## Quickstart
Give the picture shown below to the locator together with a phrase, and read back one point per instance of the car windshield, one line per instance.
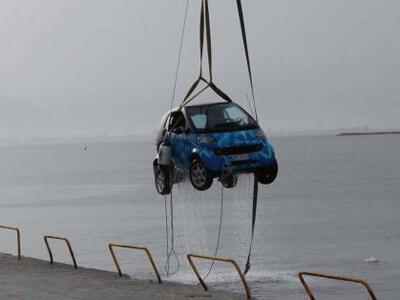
(220, 117)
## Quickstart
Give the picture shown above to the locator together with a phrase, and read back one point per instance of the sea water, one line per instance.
(336, 202)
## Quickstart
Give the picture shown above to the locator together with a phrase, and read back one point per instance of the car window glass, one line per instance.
(236, 114)
(220, 117)
(199, 121)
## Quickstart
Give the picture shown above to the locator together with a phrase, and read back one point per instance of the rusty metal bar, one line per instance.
(18, 238)
(340, 278)
(47, 237)
(145, 249)
(222, 259)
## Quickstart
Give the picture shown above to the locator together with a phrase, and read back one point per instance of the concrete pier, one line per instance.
(31, 278)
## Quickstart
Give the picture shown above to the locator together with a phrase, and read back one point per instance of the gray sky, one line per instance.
(101, 66)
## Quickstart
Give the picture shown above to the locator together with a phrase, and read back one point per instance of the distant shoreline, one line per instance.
(368, 133)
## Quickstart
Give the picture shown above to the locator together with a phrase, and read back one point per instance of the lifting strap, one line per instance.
(253, 224)
(246, 51)
(205, 38)
(255, 187)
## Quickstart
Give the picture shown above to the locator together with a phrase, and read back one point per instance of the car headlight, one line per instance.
(205, 139)
(260, 135)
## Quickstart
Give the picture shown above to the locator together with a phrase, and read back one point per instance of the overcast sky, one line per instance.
(101, 66)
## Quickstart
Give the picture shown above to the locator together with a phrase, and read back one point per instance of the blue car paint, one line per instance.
(187, 145)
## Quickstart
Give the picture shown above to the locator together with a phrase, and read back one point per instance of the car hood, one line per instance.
(235, 138)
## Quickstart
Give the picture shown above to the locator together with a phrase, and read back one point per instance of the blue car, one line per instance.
(207, 141)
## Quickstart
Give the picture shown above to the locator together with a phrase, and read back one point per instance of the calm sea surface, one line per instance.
(335, 202)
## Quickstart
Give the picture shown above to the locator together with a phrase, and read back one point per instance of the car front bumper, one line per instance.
(238, 163)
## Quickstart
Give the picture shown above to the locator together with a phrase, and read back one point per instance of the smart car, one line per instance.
(213, 140)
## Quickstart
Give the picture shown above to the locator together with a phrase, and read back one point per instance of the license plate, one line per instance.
(240, 157)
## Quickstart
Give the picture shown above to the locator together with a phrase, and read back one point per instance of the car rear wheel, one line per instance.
(199, 176)
(268, 174)
(229, 181)
(162, 179)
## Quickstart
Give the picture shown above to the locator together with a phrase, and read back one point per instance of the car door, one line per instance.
(179, 140)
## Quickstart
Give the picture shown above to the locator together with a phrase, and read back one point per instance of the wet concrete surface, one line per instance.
(31, 278)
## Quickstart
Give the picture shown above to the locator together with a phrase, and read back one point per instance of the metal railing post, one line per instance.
(222, 259)
(334, 277)
(18, 238)
(47, 237)
(145, 249)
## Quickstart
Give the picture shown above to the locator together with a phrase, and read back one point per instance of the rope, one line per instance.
(180, 54)
(172, 252)
(250, 107)
(221, 210)
(166, 267)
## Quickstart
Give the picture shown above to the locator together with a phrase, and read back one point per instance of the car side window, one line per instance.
(177, 120)
(166, 122)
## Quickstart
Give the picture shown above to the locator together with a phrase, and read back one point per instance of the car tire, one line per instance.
(229, 181)
(199, 176)
(162, 179)
(178, 175)
(268, 174)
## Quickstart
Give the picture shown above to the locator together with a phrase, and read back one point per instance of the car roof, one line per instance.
(175, 109)
(209, 104)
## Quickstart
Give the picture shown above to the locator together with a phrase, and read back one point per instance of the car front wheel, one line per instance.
(268, 174)
(199, 176)
(162, 179)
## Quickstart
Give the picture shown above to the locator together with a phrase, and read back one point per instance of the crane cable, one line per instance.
(255, 185)
(178, 64)
(171, 252)
(221, 211)
(205, 28)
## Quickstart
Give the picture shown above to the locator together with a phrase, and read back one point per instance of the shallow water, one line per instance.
(335, 202)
